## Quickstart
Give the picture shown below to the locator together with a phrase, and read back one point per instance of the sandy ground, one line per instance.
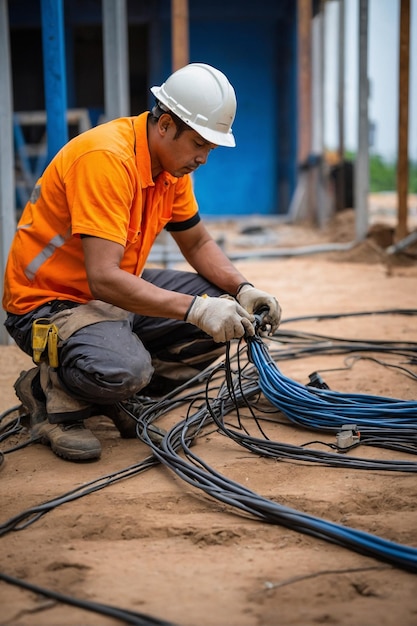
(155, 544)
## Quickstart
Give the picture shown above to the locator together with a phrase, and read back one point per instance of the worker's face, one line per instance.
(184, 154)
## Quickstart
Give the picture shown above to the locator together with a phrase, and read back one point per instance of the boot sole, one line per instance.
(71, 455)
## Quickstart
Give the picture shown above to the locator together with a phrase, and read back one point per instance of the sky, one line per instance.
(383, 72)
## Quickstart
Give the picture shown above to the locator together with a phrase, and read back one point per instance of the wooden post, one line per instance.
(301, 205)
(402, 163)
(180, 34)
(304, 79)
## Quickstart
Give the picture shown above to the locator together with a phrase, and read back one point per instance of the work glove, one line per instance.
(253, 300)
(222, 318)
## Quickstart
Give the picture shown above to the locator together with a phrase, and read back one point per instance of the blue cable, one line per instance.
(325, 409)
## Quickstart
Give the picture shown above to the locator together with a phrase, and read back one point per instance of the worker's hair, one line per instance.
(159, 109)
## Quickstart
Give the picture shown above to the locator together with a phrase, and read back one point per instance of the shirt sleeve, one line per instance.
(100, 193)
(175, 227)
(185, 207)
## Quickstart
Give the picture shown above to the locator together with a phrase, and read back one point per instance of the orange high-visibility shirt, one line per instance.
(100, 184)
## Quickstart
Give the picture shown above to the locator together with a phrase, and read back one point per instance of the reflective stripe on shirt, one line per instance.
(43, 256)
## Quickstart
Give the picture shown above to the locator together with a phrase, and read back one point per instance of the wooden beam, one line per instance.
(180, 34)
(301, 205)
(403, 91)
(304, 79)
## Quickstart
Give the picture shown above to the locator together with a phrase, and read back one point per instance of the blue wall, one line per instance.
(256, 50)
(244, 178)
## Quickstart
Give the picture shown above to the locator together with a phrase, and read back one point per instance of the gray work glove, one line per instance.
(222, 318)
(253, 300)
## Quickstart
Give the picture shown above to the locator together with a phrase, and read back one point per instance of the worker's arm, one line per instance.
(108, 282)
(221, 318)
(206, 257)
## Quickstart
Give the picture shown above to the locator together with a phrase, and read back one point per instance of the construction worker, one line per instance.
(99, 325)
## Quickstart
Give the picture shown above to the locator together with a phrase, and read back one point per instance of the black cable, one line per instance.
(26, 518)
(197, 473)
(331, 316)
(124, 615)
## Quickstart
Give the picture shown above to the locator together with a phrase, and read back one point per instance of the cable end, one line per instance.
(348, 437)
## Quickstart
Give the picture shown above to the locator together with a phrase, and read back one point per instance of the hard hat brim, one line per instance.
(226, 140)
(218, 137)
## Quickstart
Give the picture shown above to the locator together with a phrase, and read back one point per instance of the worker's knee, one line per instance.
(105, 363)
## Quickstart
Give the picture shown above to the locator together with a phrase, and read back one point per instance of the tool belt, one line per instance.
(45, 342)
(46, 332)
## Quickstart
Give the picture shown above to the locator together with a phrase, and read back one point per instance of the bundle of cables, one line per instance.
(379, 420)
(323, 409)
(196, 472)
(311, 407)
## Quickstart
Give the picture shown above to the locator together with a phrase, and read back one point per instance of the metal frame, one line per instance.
(7, 187)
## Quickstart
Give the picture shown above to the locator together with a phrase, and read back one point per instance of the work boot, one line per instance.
(28, 390)
(127, 425)
(69, 440)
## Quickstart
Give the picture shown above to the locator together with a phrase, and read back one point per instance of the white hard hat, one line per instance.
(204, 99)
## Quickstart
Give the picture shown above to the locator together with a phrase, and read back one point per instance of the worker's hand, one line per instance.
(253, 300)
(222, 318)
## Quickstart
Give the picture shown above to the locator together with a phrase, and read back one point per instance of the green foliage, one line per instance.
(383, 174)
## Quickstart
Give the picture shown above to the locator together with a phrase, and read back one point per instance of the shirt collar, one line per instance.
(143, 157)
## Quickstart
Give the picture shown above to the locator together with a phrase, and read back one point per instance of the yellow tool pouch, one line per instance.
(45, 337)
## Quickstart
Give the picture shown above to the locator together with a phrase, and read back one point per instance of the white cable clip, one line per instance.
(347, 437)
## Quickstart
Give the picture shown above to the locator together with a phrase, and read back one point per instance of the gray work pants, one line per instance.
(109, 361)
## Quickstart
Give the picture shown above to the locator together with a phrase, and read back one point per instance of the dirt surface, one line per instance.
(154, 544)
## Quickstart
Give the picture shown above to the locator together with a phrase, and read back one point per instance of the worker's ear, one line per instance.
(164, 123)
